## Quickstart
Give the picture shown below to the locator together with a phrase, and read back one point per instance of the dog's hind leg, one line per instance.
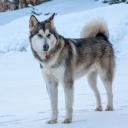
(108, 86)
(106, 77)
(92, 80)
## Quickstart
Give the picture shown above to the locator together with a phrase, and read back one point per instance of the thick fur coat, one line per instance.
(63, 60)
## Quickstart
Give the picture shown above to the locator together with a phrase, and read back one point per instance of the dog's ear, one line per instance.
(51, 17)
(33, 22)
(50, 21)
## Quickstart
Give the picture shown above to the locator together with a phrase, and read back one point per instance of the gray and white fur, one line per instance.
(63, 60)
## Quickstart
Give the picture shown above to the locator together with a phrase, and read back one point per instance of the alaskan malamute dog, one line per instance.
(64, 60)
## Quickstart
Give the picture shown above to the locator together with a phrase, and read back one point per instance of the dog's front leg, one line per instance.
(68, 89)
(52, 88)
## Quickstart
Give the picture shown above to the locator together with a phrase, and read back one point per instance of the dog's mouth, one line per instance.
(46, 56)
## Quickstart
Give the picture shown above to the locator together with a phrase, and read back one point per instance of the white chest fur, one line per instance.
(56, 72)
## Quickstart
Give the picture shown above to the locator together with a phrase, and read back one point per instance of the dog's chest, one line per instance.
(55, 72)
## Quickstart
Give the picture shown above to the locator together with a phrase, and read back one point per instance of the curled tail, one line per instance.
(95, 28)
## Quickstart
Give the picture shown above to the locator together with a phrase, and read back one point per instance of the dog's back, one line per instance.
(93, 50)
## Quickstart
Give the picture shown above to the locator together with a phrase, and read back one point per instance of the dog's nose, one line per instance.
(45, 47)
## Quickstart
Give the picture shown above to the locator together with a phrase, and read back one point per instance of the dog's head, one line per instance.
(42, 35)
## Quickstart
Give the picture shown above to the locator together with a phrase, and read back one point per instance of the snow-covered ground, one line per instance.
(24, 102)
(57, 6)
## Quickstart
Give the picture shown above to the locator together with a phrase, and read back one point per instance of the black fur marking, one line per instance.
(102, 36)
(43, 26)
(70, 51)
(41, 66)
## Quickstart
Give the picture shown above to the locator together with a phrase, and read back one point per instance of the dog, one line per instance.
(63, 60)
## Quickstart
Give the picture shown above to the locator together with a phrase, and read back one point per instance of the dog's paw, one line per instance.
(51, 121)
(109, 108)
(67, 121)
(98, 109)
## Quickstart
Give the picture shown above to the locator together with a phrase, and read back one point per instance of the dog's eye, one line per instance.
(40, 36)
(48, 35)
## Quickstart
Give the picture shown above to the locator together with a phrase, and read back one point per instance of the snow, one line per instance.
(17, 31)
(58, 6)
(24, 102)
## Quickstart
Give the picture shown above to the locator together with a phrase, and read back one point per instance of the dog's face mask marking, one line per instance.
(43, 38)
(43, 41)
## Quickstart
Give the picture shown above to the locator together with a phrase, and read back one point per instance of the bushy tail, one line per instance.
(95, 28)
